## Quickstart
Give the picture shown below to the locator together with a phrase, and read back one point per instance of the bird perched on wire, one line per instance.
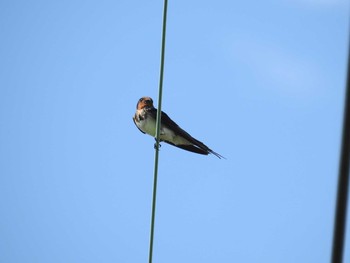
(145, 120)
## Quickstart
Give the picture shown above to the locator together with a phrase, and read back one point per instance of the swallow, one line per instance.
(171, 133)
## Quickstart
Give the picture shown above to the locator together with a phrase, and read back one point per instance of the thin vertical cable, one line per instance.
(160, 91)
(343, 180)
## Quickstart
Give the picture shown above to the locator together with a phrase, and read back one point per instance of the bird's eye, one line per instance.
(149, 101)
(140, 100)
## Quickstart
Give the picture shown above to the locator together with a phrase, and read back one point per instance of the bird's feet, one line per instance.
(155, 145)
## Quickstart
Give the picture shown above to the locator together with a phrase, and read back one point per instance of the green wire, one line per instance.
(158, 132)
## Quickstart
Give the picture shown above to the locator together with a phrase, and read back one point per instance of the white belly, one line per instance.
(149, 126)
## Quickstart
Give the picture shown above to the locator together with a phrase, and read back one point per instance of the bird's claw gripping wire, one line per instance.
(155, 144)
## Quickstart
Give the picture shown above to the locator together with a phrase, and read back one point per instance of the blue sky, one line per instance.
(260, 82)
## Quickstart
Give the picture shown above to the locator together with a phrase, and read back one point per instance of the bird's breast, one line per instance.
(147, 125)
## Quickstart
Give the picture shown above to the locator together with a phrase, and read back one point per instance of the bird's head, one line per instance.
(144, 102)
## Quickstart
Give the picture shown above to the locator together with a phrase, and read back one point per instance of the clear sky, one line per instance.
(260, 82)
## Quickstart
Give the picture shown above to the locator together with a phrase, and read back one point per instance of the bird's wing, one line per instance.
(190, 148)
(168, 122)
(195, 146)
